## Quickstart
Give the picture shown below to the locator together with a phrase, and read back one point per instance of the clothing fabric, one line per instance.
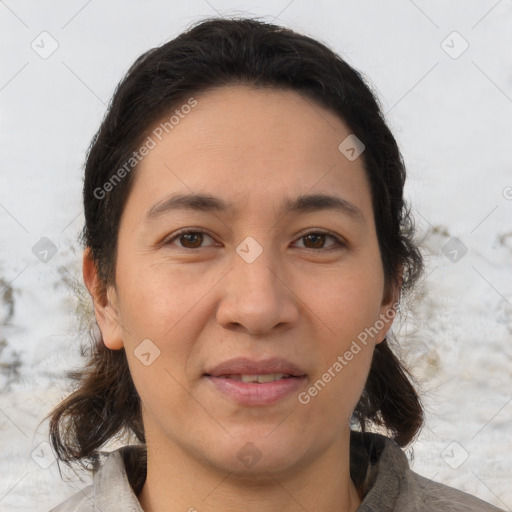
(391, 485)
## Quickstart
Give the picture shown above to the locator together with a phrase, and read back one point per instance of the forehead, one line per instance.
(251, 143)
(242, 118)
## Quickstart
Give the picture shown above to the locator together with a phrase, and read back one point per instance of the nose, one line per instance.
(258, 296)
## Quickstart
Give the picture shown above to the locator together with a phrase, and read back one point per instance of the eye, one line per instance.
(193, 239)
(316, 239)
(189, 239)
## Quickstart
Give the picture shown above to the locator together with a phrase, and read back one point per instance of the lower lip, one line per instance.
(250, 393)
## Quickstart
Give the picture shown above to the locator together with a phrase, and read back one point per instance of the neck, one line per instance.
(176, 481)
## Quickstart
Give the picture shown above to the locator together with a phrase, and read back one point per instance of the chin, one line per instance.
(249, 454)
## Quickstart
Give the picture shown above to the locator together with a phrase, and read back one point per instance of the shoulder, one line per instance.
(110, 490)
(391, 486)
(82, 501)
(427, 495)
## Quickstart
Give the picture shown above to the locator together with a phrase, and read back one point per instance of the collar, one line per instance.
(377, 464)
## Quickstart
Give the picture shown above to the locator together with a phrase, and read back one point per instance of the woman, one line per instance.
(246, 247)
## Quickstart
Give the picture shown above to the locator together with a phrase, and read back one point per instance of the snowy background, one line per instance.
(443, 73)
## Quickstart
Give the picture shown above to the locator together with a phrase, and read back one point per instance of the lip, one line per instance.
(248, 393)
(246, 366)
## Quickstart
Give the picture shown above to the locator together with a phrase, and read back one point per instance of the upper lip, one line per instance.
(245, 366)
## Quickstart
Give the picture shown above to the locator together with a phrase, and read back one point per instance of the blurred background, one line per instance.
(443, 75)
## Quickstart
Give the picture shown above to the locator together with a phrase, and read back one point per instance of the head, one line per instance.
(260, 121)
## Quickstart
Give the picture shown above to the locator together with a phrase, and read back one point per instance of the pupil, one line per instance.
(193, 236)
(317, 239)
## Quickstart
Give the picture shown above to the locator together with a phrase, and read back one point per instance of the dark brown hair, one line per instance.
(213, 53)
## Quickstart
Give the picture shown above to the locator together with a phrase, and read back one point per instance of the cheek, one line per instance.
(158, 332)
(327, 404)
(350, 310)
(348, 303)
(156, 301)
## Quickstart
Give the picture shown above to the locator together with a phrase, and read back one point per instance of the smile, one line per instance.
(256, 390)
(263, 378)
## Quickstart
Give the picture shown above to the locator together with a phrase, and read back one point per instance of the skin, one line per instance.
(301, 299)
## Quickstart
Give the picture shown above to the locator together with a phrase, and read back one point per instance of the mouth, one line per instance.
(256, 383)
(249, 368)
(257, 379)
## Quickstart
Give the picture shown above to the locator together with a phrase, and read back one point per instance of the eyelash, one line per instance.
(339, 243)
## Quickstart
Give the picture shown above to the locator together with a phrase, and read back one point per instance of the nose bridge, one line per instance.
(254, 296)
(252, 266)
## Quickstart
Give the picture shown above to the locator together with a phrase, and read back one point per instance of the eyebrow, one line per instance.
(301, 204)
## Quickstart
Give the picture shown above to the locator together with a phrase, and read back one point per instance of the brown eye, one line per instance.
(317, 239)
(189, 239)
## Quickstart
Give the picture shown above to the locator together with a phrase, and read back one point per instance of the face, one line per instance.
(250, 281)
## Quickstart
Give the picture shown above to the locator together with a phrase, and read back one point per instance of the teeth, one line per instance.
(268, 377)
